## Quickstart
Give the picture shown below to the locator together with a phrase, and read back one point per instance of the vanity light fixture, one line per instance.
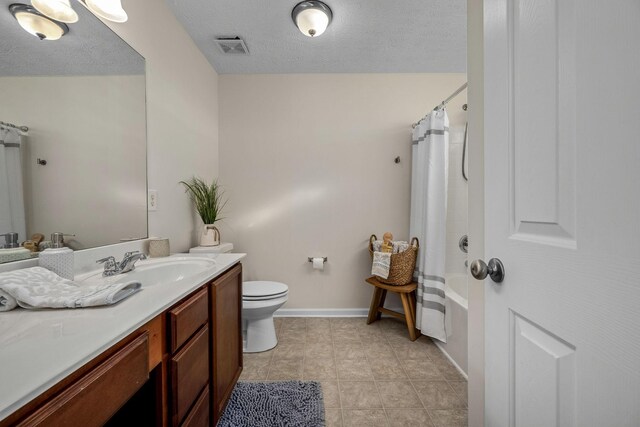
(312, 17)
(111, 10)
(58, 10)
(36, 23)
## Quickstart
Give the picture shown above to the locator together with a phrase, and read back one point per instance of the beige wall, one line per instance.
(91, 131)
(308, 168)
(182, 114)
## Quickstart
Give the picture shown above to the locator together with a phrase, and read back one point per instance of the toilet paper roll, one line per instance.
(318, 263)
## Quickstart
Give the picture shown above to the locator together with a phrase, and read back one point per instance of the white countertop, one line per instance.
(40, 348)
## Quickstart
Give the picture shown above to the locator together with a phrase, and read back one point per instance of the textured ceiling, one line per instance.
(90, 48)
(366, 36)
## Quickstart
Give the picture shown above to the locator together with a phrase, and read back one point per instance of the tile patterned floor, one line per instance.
(371, 375)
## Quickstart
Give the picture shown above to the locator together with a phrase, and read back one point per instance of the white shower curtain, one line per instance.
(12, 215)
(429, 177)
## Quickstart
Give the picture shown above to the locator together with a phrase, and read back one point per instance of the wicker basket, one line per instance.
(402, 264)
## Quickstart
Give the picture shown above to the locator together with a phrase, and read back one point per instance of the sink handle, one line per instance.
(106, 260)
(110, 266)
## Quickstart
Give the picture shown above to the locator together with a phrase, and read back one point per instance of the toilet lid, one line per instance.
(263, 290)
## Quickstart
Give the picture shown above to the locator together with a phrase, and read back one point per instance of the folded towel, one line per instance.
(398, 246)
(37, 287)
(7, 302)
(381, 264)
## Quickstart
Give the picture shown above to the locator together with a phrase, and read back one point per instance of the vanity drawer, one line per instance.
(199, 415)
(189, 374)
(95, 397)
(187, 318)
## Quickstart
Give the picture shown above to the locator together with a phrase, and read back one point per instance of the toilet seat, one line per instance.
(265, 298)
(260, 290)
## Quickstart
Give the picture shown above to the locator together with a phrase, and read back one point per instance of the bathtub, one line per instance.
(456, 321)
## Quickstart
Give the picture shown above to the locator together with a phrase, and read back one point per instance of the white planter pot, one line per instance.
(210, 236)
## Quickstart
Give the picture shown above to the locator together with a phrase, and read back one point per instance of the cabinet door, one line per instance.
(189, 374)
(93, 399)
(199, 415)
(226, 333)
(186, 319)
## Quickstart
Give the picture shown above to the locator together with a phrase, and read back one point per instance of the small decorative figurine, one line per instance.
(387, 243)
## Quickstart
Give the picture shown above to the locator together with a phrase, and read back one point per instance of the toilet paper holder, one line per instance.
(324, 259)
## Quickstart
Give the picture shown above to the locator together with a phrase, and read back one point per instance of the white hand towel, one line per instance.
(38, 287)
(7, 302)
(381, 264)
(400, 246)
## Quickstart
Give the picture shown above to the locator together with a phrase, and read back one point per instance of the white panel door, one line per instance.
(562, 209)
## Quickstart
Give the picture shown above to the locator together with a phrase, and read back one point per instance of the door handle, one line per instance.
(495, 270)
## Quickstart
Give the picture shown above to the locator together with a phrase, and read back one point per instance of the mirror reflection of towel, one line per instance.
(381, 264)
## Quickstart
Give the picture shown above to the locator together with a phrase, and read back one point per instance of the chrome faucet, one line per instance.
(128, 263)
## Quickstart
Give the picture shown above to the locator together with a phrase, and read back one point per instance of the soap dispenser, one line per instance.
(58, 258)
(11, 240)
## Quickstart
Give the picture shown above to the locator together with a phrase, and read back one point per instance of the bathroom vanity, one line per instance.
(167, 356)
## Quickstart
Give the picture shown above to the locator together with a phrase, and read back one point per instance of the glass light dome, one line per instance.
(59, 10)
(37, 24)
(110, 10)
(312, 17)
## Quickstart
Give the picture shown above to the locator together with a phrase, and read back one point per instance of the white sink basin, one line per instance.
(155, 272)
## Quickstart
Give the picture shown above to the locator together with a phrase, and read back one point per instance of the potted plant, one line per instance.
(209, 201)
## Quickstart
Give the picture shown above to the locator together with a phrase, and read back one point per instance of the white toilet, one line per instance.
(260, 300)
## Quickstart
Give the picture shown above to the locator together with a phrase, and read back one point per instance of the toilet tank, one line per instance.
(220, 249)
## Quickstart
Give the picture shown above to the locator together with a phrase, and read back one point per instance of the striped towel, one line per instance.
(381, 264)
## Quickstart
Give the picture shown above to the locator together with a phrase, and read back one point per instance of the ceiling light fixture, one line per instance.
(58, 10)
(111, 10)
(312, 17)
(36, 23)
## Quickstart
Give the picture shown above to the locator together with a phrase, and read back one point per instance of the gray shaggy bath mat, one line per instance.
(286, 403)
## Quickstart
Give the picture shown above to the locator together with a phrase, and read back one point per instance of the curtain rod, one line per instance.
(11, 125)
(446, 101)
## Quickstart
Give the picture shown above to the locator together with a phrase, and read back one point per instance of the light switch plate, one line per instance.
(152, 200)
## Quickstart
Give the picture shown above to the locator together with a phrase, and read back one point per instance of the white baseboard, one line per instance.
(328, 312)
(322, 312)
(453, 362)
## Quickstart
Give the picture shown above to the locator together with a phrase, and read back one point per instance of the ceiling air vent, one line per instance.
(232, 45)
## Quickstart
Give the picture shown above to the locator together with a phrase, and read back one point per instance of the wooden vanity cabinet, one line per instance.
(177, 370)
(226, 337)
(205, 337)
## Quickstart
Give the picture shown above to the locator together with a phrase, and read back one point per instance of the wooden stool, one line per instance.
(407, 295)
